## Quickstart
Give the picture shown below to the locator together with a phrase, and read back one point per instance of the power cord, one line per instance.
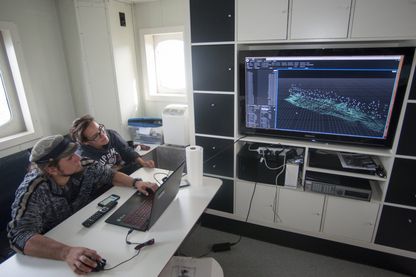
(224, 246)
(276, 195)
(219, 247)
(225, 148)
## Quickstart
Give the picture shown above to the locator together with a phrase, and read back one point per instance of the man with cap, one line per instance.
(58, 185)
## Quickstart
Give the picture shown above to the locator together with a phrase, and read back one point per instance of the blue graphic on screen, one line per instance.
(339, 96)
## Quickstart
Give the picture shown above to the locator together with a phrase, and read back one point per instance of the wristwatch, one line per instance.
(136, 180)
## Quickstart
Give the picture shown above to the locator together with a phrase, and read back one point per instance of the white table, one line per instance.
(109, 240)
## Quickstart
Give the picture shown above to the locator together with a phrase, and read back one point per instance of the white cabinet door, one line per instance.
(384, 18)
(350, 218)
(320, 19)
(261, 211)
(300, 210)
(261, 19)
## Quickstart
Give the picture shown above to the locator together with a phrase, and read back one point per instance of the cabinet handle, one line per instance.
(318, 214)
(229, 69)
(229, 15)
(213, 148)
(212, 105)
(410, 221)
(214, 166)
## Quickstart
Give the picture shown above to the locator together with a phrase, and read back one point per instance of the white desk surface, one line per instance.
(109, 240)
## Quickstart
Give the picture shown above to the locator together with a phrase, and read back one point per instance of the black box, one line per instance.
(261, 163)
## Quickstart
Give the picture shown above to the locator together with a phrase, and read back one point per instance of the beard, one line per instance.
(65, 174)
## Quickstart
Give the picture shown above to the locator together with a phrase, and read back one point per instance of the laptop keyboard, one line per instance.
(141, 214)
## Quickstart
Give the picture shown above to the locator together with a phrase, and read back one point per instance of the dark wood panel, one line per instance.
(212, 20)
(214, 114)
(413, 88)
(397, 228)
(213, 67)
(402, 189)
(407, 142)
(224, 199)
(218, 155)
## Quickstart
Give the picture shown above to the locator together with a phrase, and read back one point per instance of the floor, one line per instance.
(257, 258)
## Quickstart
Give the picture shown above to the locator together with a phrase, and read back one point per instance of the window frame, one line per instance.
(150, 87)
(25, 100)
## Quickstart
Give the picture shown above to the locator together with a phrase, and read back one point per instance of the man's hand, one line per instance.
(141, 186)
(81, 260)
(144, 163)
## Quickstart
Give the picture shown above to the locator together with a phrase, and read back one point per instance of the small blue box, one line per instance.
(147, 130)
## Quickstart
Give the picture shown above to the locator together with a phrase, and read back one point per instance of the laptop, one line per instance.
(140, 212)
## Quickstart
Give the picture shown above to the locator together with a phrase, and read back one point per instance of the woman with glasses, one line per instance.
(105, 146)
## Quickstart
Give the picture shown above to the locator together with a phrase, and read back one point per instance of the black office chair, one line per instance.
(13, 168)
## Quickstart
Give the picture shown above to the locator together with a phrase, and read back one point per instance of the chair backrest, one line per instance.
(12, 170)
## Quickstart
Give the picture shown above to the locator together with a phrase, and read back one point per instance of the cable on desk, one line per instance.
(139, 246)
(159, 173)
(128, 233)
(125, 261)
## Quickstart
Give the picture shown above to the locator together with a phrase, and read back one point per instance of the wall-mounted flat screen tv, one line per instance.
(349, 95)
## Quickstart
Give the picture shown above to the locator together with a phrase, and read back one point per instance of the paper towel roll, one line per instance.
(194, 164)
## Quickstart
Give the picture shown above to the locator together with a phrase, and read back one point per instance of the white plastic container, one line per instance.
(175, 124)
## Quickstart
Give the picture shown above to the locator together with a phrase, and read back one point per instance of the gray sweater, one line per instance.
(41, 204)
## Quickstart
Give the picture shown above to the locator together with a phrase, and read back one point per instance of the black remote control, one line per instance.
(97, 215)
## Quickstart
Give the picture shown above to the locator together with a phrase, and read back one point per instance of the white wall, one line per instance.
(38, 28)
(102, 60)
(125, 63)
(155, 14)
(72, 47)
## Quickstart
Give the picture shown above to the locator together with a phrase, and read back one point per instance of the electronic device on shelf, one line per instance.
(343, 186)
(345, 95)
(326, 159)
(264, 163)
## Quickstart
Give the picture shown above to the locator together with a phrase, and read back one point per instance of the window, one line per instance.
(164, 62)
(5, 113)
(16, 122)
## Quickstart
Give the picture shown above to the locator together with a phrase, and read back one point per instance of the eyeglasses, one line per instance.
(101, 129)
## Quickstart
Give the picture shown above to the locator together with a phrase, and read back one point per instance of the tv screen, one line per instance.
(343, 95)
